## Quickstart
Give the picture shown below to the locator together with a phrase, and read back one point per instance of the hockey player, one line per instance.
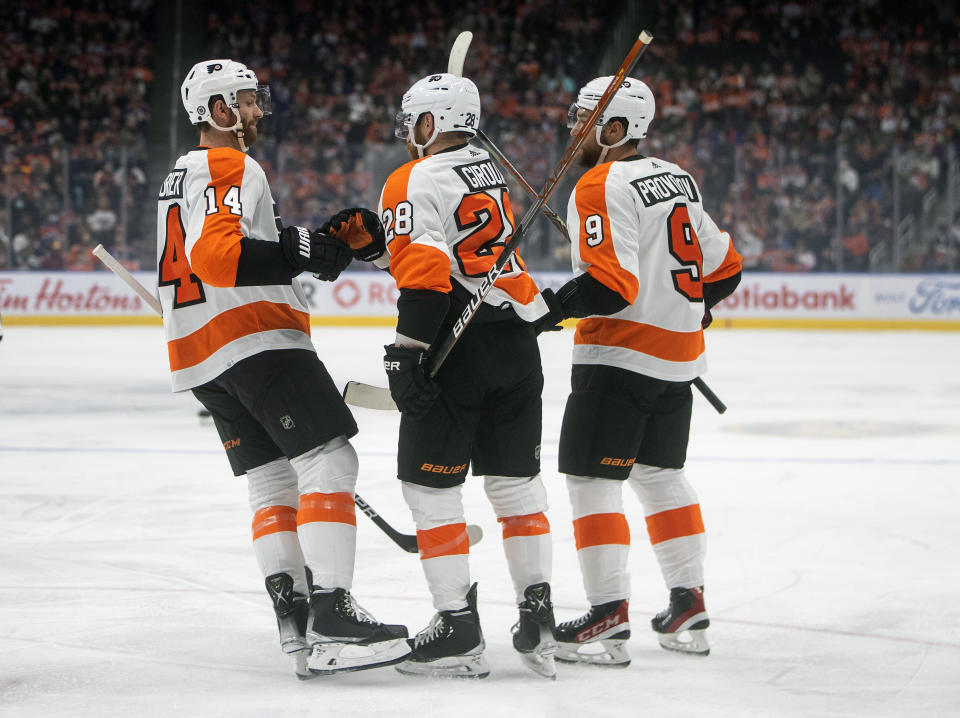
(649, 263)
(238, 336)
(447, 216)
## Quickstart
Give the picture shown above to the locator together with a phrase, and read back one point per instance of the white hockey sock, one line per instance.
(443, 542)
(674, 523)
(326, 516)
(602, 536)
(277, 546)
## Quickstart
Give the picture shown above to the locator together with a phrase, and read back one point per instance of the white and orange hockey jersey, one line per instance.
(638, 226)
(447, 217)
(208, 203)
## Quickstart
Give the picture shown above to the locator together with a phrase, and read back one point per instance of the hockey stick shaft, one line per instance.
(709, 395)
(508, 166)
(100, 252)
(114, 266)
(443, 350)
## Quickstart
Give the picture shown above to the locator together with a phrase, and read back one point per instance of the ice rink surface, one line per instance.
(829, 490)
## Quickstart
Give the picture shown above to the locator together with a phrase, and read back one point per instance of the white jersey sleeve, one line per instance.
(638, 226)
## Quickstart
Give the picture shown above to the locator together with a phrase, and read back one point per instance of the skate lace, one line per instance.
(435, 630)
(350, 607)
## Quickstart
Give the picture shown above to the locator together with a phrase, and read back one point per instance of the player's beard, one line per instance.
(250, 133)
(589, 154)
(412, 151)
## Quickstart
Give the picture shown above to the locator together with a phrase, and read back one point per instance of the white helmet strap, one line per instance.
(237, 128)
(423, 147)
(606, 148)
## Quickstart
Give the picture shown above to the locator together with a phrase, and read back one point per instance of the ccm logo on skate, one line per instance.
(610, 461)
(231, 444)
(438, 469)
(598, 628)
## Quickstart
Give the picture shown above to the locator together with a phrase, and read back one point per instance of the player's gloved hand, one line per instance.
(413, 391)
(361, 230)
(323, 254)
(707, 318)
(550, 322)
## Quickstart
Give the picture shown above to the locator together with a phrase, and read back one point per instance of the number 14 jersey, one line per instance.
(638, 226)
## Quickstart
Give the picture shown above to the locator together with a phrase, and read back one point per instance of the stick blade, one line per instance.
(458, 53)
(367, 396)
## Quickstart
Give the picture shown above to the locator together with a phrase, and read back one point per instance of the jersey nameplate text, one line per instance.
(481, 175)
(665, 187)
(173, 185)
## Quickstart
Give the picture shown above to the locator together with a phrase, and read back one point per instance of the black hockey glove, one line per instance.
(323, 254)
(361, 229)
(550, 322)
(413, 391)
(707, 318)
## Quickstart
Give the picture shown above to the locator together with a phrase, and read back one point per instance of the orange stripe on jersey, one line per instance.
(448, 540)
(601, 530)
(215, 254)
(271, 519)
(233, 324)
(601, 258)
(335, 508)
(529, 525)
(732, 263)
(419, 266)
(413, 266)
(675, 523)
(646, 338)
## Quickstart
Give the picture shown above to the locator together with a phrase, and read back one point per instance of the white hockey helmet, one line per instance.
(453, 101)
(220, 77)
(632, 101)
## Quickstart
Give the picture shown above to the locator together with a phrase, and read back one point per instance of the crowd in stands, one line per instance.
(74, 114)
(791, 115)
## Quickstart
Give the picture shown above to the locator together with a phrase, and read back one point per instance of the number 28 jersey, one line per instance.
(211, 200)
(447, 217)
(638, 226)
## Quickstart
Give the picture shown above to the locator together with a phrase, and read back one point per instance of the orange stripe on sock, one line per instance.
(448, 540)
(336, 508)
(601, 529)
(675, 523)
(529, 525)
(271, 519)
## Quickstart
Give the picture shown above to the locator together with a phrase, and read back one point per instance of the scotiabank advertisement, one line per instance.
(48, 297)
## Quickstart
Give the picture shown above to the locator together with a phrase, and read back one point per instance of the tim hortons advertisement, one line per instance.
(48, 297)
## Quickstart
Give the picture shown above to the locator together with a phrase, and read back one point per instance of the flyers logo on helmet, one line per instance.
(214, 67)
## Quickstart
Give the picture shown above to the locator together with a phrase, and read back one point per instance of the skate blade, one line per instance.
(300, 665)
(609, 652)
(541, 661)
(450, 667)
(329, 658)
(691, 642)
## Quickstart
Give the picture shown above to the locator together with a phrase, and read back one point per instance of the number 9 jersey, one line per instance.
(447, 217)
(638, 226)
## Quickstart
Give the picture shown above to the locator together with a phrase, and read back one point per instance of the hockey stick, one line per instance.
(441, 353)
(404, 541)
(458, 55)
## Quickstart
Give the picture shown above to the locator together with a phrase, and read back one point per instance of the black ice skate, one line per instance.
(598, 637)
(344, 637)
(451, 646)
(535, 632)
(291, 610)
(682, 625)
